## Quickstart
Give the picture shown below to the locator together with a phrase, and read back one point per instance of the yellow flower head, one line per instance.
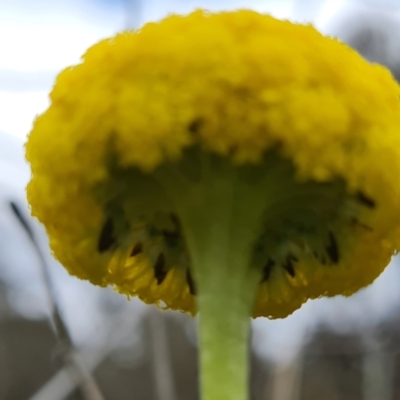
(232, 137)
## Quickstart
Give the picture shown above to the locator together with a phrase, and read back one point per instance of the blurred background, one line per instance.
(61, 338)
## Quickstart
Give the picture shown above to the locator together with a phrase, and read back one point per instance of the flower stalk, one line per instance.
(220, 231)
(225, 305)
(223, 348)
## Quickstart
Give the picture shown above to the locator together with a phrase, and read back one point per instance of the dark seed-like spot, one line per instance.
(365, 200)
(171, 237)
(195, 125)
(190, 282)
(288, 265)
(332, 249)
(107, 236)
(137, 249)
(266, 271)
(160, 272)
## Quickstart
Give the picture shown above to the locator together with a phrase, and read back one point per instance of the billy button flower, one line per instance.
(229, 163)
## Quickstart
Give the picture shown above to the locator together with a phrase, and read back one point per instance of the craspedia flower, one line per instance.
(231, 163)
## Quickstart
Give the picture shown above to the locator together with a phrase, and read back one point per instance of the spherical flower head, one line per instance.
(259, 136)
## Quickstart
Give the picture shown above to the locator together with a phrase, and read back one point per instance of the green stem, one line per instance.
(220, 246)
(224, 336)
(224, 353)
(221, 214)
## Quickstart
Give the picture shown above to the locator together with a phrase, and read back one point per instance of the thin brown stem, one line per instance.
(161, 359)
(78, 372)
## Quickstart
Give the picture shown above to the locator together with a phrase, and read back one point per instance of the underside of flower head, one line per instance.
(288, 139)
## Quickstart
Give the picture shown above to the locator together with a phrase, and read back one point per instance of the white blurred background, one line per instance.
(331, 348)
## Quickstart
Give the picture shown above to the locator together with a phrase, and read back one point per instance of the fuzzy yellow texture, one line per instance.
(251, 82)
